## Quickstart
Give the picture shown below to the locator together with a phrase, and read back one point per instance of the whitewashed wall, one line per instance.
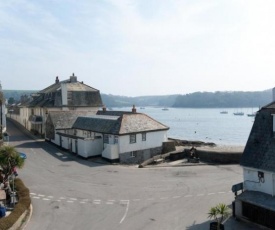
(251, 181)
(111, 152)
(153, 140)
(65, 142)
(90, 147)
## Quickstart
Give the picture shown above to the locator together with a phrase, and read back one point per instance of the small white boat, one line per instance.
(238, 114)
(251, 114)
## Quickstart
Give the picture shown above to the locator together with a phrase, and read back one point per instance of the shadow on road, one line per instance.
(19, 134)
(201, 226)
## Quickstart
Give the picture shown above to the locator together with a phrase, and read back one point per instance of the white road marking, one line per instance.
(72, 198)
(164, 198)
(188, 195)
(221, 192)
(36, 197)
(126, 211)
(209, 194)
(46, 199)
(50, 196)
(200, 195)
(70, 201)
(31, 193)
(62, 198)
(41, 195)
(176, 197)
(97, 201)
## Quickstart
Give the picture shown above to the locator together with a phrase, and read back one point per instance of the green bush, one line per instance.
(23, 204)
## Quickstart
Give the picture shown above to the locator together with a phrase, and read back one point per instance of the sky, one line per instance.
(139, 47)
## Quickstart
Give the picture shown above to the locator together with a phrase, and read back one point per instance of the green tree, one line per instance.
(9, 159)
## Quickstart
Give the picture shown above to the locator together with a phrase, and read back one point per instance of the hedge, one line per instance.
(23, 204)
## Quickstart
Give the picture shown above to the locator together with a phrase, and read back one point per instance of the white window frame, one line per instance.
(106, 138)
(133, 138)
(143, 136)
(115, 139)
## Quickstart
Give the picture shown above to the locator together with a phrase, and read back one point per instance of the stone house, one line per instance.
(64, 95)
(127, 137)
(257, 201)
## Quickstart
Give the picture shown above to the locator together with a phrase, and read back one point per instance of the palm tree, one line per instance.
(9, 159)
(219, 213)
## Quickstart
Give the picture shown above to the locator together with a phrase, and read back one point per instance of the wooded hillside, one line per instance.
(217, 99)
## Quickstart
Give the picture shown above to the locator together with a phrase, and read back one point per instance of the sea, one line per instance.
(203, 124)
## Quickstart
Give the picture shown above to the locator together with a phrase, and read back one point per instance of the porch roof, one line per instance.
(258, 198)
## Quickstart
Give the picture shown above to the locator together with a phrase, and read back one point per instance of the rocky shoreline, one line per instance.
(179, 142)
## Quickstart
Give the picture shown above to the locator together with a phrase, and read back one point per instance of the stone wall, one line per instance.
(168, 146)
(140, 156)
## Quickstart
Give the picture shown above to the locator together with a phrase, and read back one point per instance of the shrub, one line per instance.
(23, 204)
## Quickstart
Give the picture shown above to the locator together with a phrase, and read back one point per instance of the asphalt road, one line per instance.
(70, 193)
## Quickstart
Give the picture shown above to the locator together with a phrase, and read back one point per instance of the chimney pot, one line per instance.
(56, 80)
(104, 108)
(73, 78)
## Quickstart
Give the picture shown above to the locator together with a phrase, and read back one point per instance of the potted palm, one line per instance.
(219, 213)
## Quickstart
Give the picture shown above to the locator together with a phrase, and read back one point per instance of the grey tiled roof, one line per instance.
(259, 151)
(65, 119)
(124, 123)
(79, 95)
(258, 198)
(99, 125)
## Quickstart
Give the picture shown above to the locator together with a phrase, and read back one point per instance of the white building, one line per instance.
(127, 137)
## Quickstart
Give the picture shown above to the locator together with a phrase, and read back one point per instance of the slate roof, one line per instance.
(259, 151)
(116, 124)
(80, 95)
(65, 119)
(258, 198)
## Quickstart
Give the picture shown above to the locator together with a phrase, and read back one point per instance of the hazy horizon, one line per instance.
(135, 48)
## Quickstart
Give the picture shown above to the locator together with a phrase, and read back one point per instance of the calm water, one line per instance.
(206, 125)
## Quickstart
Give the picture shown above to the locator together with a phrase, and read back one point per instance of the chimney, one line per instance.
(73, 78)
(134, 110)
(104, 108)
(56, 80)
